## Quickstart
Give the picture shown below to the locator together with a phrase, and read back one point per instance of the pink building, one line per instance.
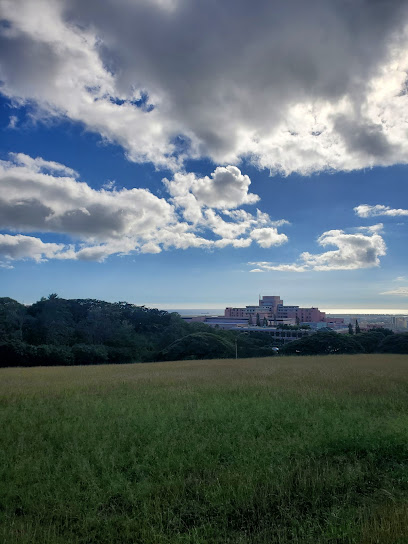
(303, 315)
(273, 309)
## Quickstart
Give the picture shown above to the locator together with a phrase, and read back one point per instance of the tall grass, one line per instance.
(299, 450)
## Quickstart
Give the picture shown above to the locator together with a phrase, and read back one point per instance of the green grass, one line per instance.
(285, 450)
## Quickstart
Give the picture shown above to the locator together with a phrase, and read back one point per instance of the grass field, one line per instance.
(285, 450)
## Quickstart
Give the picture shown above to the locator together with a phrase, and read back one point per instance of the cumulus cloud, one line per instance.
(295, 87)
(267, 237)
(365, 210)
(354, 251)
(33, 200)
(227, 188)
(44, 196)
(400, 291)
(28, 247)
(210, 202)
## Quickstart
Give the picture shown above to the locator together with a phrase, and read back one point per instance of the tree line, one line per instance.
(379, 340)
(57, 331)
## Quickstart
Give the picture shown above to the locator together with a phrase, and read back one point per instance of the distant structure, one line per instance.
(269, 316)
(398, 323)
(272, 309)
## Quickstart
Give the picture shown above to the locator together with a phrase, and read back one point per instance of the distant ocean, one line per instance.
(331, 312)
(198, 311)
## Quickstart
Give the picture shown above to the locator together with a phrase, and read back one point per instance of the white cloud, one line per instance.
(12, 122)
(150, 247)
(33, 200)
(197, 199)
(234, 242)
(29, 247)
(379, 227)
(227, 188)
(38, 165)
(354, 251)
(365, 210)
(44, 196)
(296, 88)
(270, 267)
(267, 237)
(109, 185)
(399, 291)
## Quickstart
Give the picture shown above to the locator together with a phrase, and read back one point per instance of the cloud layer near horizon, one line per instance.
(399, 291)
(295, 86)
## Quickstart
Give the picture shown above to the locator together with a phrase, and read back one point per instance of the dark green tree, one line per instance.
(383, 330)
(370, 340)
(323, 343)
(264, 322)
(350, 328)
(394, 343)
(201, 345)
(258, 320)
(12, 317)
(358, 330)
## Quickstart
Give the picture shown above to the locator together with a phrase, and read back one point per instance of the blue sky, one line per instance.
(167, 163)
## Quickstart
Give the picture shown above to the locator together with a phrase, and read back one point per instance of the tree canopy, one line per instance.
(323, 343)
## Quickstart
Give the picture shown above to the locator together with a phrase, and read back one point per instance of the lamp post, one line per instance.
(236, 343)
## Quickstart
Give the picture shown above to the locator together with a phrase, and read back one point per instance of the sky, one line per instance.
(199, 154)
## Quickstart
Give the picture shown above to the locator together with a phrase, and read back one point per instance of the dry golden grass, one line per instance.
(331, 372)
(376, 373)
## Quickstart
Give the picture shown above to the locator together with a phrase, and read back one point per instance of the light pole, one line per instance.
(236, 343)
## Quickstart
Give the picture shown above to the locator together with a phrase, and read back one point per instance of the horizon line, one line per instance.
(206, 306)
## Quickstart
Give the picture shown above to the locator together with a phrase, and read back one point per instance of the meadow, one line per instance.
(269, 450)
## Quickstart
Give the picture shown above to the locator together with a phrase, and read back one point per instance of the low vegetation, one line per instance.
(272, 450)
